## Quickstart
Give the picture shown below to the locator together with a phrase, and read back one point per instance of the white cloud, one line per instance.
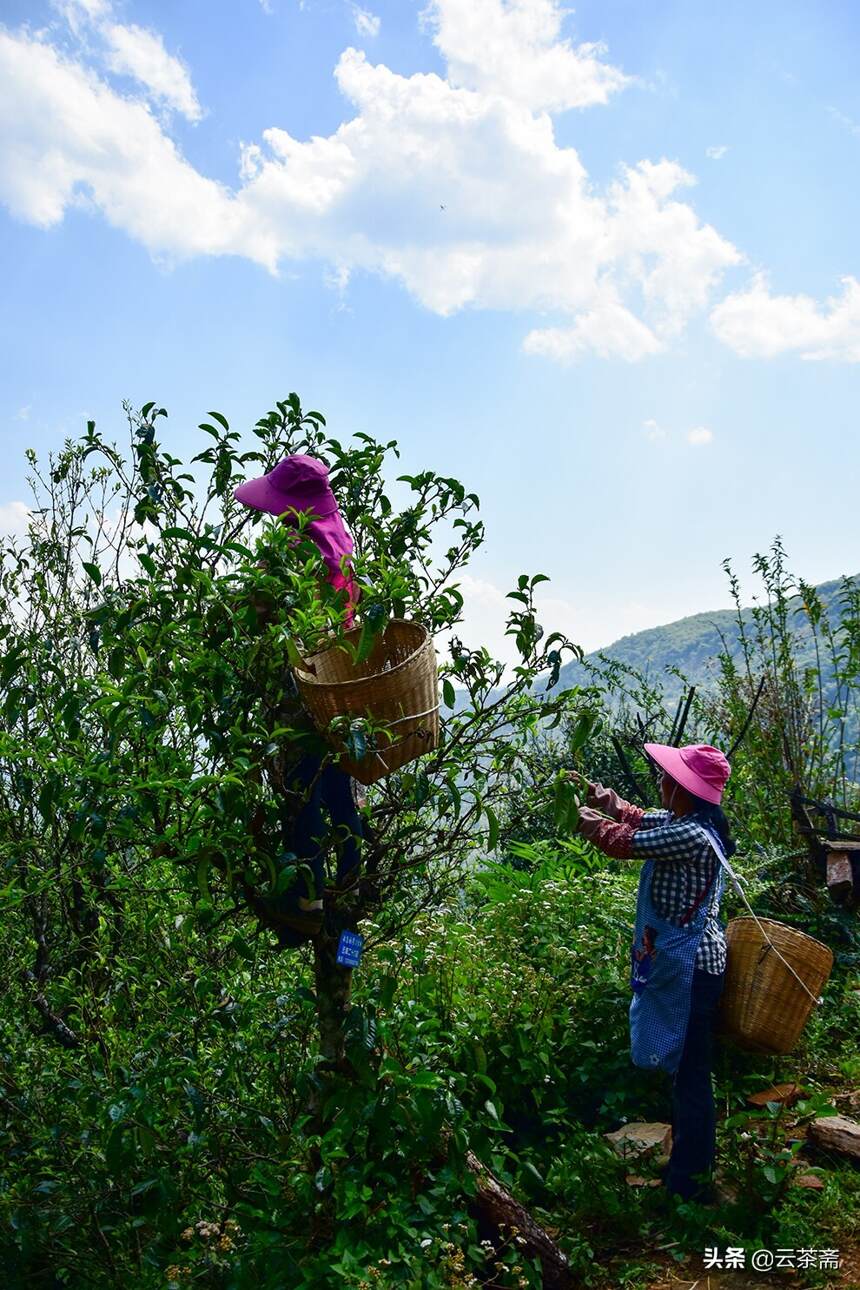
(616, 272)
(136, 52)
(366, 23)
(515, 48)
(132, 51)
(93, 9)
(756, 324)
(653, 430)
(609, 331)
(337, 279)
(848, 123)
(647, 238)
(698, 436)
(673, 259)
(67, 139)
(81, 13)
(717, 151)
(14, 517)
(23, 414)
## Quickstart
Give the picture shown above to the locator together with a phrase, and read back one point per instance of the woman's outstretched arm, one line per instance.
(665, 839)
(610, 803)
(626, 812)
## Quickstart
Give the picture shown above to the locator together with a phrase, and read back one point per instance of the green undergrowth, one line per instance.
(174, 1145)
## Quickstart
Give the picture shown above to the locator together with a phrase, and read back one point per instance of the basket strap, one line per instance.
(736, 883)
(414, 716)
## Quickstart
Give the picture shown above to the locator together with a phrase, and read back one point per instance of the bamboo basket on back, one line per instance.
(397, 685)
(764, 1007)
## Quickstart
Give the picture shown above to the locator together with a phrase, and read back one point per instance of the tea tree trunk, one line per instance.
(333, 992)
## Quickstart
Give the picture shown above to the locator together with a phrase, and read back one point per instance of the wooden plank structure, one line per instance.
(835, 849)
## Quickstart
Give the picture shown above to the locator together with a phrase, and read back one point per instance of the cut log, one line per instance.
(500, 1215)
(810, 1181)
(640, 1139)
(840, 879)
(836, 1133)
(496, 1208)
(788, 1094)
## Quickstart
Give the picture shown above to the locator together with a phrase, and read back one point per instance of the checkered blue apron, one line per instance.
(663, 957)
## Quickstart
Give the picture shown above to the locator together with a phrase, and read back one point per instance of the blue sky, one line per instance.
(634, 328)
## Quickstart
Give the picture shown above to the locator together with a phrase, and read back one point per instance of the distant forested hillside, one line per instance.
(692, 644)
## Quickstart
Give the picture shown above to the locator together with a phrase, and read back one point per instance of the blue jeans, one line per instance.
(693, 1112)
(306, 834)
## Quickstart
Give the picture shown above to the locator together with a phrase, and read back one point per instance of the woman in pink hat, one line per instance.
(678, 955)
(299, 484)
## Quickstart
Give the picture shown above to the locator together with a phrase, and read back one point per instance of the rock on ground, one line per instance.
(640, 1138)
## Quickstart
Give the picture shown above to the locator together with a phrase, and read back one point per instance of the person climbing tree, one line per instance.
(303, 773)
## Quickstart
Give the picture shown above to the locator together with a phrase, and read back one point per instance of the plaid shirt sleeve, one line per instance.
(678, 839)
(651, 819)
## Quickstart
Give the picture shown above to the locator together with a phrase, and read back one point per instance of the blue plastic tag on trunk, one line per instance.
(349, 949)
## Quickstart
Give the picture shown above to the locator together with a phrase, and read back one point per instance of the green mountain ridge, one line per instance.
(692, 645)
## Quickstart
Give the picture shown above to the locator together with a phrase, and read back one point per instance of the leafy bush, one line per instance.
(179, 1104)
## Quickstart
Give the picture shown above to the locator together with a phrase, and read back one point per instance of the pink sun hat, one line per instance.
(300, 484)
(700, 768)
(297, 483)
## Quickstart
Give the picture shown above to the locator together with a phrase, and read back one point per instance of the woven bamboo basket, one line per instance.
(397, 684)
(763, 1007)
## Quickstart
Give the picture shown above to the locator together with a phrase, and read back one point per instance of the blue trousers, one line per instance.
(306, 834)
(693, 1112)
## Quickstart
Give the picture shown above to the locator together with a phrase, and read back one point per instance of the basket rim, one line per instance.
(774, 922)
(308, 678)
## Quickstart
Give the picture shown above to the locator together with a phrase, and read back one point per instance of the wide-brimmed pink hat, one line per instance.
(300, 484)
(297, 483)
(700, 768)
